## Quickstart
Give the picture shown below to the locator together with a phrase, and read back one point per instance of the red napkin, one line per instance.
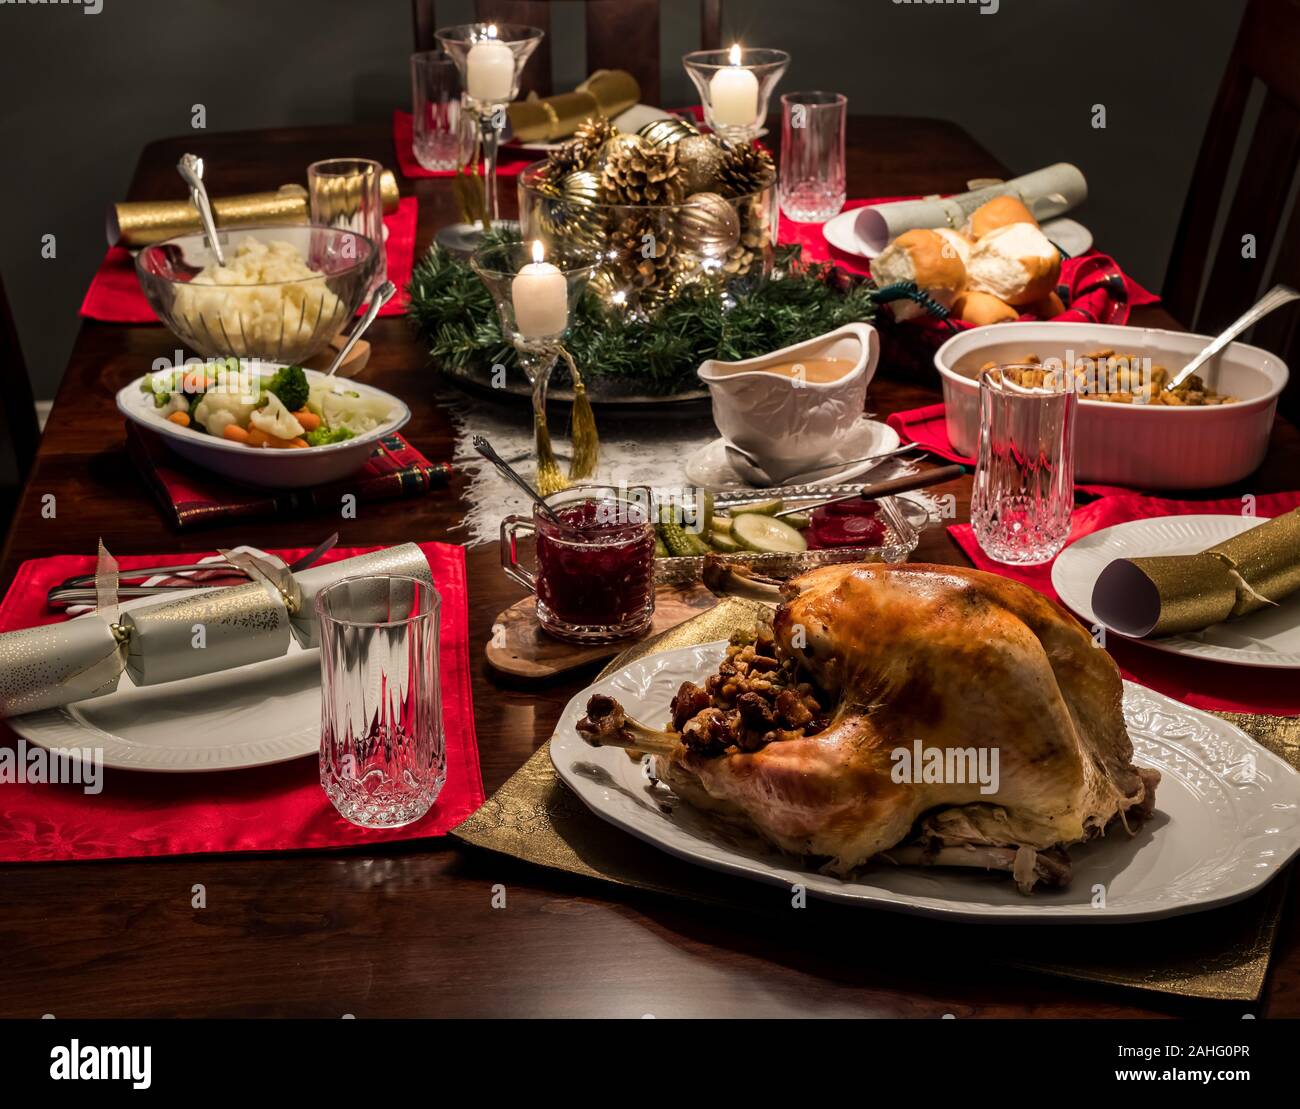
(188, 495)
(510, 159)
(1200, 683)
(114, 295)
(270, 808)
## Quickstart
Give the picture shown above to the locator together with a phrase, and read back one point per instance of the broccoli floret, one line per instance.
(289, 384)
(323, 436)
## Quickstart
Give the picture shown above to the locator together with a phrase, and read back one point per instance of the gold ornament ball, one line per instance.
(709, 225)
(700, 158)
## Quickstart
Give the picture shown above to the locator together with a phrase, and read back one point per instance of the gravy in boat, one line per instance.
(814, 371)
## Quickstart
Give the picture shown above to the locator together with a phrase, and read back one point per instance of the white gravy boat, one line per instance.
(789, 425)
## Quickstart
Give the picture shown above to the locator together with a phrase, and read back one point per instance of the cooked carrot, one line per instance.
(182, 418)
(257, 437)
(235, 433)
(309, 420)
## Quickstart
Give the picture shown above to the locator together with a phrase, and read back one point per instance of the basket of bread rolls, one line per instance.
(999, 267)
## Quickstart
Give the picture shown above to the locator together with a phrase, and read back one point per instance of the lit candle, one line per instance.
(541, 299)
(733, 94)
(490, 69)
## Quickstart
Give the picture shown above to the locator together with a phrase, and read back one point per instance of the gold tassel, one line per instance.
(584, 441)
(549, 478)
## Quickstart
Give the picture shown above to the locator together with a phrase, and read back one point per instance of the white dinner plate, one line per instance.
(1269, 637)
(253, 715)
(841, 232)
(711, 468)
(1227, 818)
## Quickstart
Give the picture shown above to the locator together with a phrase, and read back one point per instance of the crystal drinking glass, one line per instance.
(1024, 479)
(347, 193)
(383, 757)
(490, 57)
(812, 155)
(443, 134)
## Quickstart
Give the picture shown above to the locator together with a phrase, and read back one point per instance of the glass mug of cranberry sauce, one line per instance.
(594, 579)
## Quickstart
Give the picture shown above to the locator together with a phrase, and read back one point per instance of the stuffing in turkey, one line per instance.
(858, 728)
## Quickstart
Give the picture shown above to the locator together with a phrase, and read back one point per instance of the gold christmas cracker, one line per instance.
(1173, 594)
(135, 224)
(607, 92)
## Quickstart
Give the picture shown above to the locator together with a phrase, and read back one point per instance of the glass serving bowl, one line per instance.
(286, 320)
(649, 252)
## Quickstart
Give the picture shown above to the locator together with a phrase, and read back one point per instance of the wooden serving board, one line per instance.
(520, 648)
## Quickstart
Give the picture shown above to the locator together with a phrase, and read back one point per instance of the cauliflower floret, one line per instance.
(218, 409)
(275, 419)
(349, 409)
(177, 402)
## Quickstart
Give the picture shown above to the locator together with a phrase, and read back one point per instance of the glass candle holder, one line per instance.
(536, 290)
(812, 155)
(443, 134)
(1024, 479)
(383, 758)
(490, 58)
(735, 86)
(348, 193)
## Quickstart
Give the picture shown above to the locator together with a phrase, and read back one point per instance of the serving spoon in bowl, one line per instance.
(190, 167)
(1277, 296)
(382, 296)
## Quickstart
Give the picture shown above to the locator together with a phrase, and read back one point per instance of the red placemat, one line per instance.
(1198, 682)
(510, 160)
(189, 496)
(270, 808)
(114, 295)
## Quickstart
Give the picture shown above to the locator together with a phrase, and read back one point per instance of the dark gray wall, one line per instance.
(83, 93)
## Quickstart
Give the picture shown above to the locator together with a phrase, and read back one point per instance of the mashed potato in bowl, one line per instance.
(262, 302)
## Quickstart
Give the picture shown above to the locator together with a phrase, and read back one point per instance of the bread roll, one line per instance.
(1001, 211)
(1015, 263)
(1051, 305)
(981, 308)
(956, 242)
(925, 257)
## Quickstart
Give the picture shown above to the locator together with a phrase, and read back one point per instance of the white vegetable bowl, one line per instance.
(1143, 445)
(268, 468)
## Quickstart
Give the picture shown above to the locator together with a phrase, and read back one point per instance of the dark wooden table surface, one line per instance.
(410, 931)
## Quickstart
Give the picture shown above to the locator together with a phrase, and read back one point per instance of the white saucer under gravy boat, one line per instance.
(790, 423)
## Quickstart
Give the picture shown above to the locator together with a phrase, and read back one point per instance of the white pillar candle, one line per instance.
(733, 95)
(540, 296)
(490, 70)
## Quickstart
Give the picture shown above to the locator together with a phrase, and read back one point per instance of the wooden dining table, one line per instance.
(411, 929)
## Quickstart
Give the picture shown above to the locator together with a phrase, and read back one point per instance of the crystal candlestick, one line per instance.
(735, 86)
(536, 290)
(490, 58)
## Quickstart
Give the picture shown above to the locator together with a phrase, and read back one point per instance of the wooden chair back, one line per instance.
(621, 34)
(1208, 286)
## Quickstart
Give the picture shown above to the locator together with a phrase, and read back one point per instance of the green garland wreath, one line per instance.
(454, 313)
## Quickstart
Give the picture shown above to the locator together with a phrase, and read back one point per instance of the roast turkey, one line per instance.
(909, 714)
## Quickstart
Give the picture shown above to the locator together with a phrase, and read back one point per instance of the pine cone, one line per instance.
(581, 150)
(644, 262)
(637, 173)
(748, 252)
(745, 168)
